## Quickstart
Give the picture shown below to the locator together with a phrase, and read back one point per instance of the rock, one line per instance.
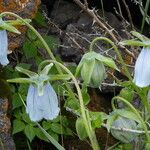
(6, 140)
(25, 9)
(64, 13)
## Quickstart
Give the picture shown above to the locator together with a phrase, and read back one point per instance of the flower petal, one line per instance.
(32, 108)
(3, 47)
(142, 68)
(49, 103)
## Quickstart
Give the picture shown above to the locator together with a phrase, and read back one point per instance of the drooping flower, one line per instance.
(142, 68)
(92, 68)
(3, 47)
(44, 106)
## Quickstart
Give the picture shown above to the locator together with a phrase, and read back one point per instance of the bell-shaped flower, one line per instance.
(42, 101)
(142, 68)
(3, 47)
(4, 27)
(44, 106)
(92, 68)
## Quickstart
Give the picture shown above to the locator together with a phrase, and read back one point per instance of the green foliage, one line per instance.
(80, 128)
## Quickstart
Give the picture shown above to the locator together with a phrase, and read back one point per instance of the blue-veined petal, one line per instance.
(45, 106)
(3, 47)
(142, 68)
(32, 108)
(48, 103)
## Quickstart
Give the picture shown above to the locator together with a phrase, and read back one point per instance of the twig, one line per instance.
(92, 14)
(126, 129)
(129, 14)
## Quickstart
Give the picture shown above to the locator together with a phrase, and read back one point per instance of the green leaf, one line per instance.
(54, 135)
(17, 22)
(20, 80)
(139, 36)
(85, 95)
(27, 72)
(9, 27)
(40, 19)
(111, 118)
(46, 125)
(133, 43)
(80, 128)
(59, 77)
(40, 134)
(18, 126)
(16, 102)
(26, 118)
(50, 138)
(97, 119)
(127, 94)
(46, 69)
(29, 49)
(50, 40)
(23, 89)
(31, 35)
(72, 103)
(17, 113)
(107, 61)
(24, 65)
(57, 128)
(128, 114)
(29, 132)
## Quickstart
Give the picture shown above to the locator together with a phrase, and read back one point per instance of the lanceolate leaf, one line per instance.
(139, 36)
(17, 22)
(59, 77)
(107, 61)
(133, 43)
(27, 72)
(21, 80)
(46, 69)
(9, 27)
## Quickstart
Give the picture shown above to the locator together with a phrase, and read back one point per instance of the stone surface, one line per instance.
(25, 9)
(6, 140)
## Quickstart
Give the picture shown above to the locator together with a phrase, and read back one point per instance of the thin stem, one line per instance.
(135, 111)
(88, 127)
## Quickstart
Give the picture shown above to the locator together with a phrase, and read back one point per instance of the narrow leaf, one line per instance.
(59, 77)
(9, 27)
(107, 61)
(27, 72)
(132, 43)
(20, 80)
(46, 69)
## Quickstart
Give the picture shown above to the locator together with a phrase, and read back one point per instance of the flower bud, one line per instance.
(92, 68)
(93, 73)
(124, 123)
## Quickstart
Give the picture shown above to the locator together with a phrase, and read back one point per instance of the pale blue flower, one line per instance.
(3, 47)
(45, 106)
(142, 68)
